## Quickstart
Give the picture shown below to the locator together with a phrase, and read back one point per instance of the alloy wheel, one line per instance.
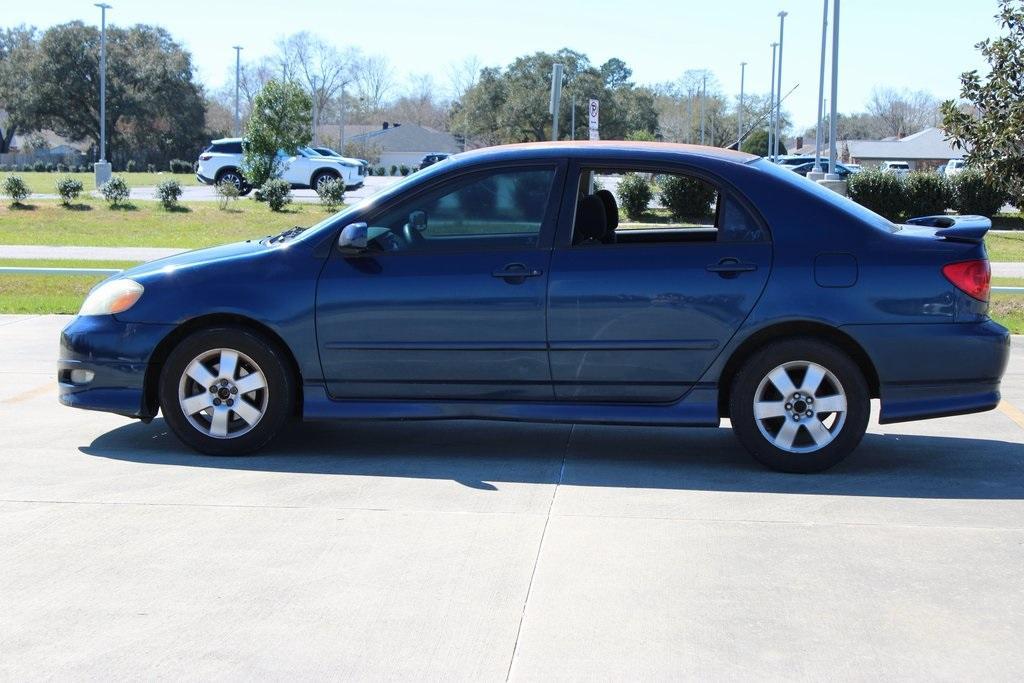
(800, 407)
(223, 393)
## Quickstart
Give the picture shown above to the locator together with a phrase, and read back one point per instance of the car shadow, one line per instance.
(476, 453)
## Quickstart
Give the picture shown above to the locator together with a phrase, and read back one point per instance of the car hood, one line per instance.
(196, 258)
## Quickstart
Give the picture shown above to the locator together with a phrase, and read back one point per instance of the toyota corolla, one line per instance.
(606, 283)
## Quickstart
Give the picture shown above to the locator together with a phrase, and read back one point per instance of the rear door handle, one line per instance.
(731, 267)
(516, 272)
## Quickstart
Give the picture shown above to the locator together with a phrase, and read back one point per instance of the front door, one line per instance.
(639, 309)
(449, 300)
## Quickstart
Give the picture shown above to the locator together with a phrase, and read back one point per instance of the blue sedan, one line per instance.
(605, 283)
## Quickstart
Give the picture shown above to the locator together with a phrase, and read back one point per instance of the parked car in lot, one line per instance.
(328, 152)
(803, 169)
(501, 285)
(897, 167)
(794, 159)
(954, 166)
(222, 162)
(433, 158)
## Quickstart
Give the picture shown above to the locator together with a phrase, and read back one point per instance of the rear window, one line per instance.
(226, 147)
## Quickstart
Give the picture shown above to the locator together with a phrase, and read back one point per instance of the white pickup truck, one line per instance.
(897, 167)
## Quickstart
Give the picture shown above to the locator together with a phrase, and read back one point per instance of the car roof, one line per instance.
(223, 140)
(613, 148)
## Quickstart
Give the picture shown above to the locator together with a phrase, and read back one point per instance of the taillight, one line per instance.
(205, 157)
(971, 277)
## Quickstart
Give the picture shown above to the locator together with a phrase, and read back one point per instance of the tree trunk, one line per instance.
(5, 140)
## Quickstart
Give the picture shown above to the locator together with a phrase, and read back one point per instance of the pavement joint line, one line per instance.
(1013, 412)
(653, 518)
(38, 391)
(540, 548)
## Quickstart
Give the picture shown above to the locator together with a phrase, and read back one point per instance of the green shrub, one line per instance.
(380, 171)
(180, 166)
(168, 192)
(974, 194)
(686, 196)
(150, 168)
(130, 165)
(880, 192)
(39, 166)
(115, 190)
(927, 194)
(635, 194)
(15, 188)
(62, 168)
(276, 192)
(68, 188)
(403, 169)
(394, 170)
(226, 194)
(331, 192)
(369, 170)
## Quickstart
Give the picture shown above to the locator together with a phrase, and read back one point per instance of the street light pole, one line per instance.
(832, 104)
(703, 96)
(314, 111)
(739, 112)
(771, 108)
(102, 167)
(238, 71)
(821, 89)
(778, 90)
(556, 98)
(341, 121)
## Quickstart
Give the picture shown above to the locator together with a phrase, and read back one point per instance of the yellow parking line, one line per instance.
(33, 393)
(1013, 412)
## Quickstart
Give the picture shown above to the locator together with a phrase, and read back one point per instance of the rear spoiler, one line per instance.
(959, 228)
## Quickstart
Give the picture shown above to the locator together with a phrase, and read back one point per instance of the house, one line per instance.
(925, 150)
(407, 143)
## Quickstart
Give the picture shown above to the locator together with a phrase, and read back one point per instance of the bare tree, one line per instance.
(463, 75)
(374, 79)
(316, 65)
(902, 112)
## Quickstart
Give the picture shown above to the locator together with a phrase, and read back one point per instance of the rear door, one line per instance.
(641, 314)
(450, 301)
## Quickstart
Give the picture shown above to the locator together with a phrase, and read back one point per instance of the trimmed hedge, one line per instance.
(686, 197)
(927, 194)
(973, 194)
(880, 192)
(924, 193)
(635, 194)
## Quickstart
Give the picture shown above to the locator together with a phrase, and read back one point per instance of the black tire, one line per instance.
(277, 405)
(236, 178)
(753, 376)
(322, 176)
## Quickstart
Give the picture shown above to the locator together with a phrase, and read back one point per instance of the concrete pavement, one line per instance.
(486, 551)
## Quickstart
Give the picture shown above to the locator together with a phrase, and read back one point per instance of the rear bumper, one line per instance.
(203, 179)
(927, 371)
(117, 356)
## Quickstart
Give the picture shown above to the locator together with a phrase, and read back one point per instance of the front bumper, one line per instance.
(935, 370)
(118, 356)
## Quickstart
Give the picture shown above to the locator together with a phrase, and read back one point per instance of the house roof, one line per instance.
(408, 137)
(929, 143)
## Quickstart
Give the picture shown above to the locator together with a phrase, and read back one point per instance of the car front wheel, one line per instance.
(226, 391)
(800, 405)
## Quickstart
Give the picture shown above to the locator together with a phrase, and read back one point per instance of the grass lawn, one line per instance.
(49, 293)
(91, 222)
(1005, 246)
(43, 183)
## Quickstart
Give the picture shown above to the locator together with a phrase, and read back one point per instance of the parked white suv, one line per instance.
(897, 167)
(953, 167)
(222, 162)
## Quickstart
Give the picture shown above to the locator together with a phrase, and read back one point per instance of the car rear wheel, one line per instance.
(800, 405)
(236, 179)
(322, 177)
(226, 391)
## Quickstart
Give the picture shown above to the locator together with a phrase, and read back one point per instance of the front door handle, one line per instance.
(731, 267)
(516, 272)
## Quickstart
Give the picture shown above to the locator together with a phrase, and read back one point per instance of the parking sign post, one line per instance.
(594, 112)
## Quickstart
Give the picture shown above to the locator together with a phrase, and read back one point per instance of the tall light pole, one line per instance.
(703, 96)
(314, 110)
(102, 167)
(832, 175)
(778, 90)
(341, 120)
(771, 108)
(689, 118)
(739, 112)
(238, 71)
(821, 89)
(556, 98)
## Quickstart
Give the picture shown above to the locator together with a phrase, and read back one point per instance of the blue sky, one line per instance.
(919, 44)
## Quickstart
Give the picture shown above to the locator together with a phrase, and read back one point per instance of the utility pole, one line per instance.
(572, 132)
(778, 91)
(703, 96)
(238, 71)
(739, 112)
(556, 97)
(771, 109)
(341, 121)
(821, 92)
(689, 118)
(102, 168)
(314, 111)
(832, 175)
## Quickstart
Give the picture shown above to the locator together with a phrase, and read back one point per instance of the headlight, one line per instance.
(112, 297)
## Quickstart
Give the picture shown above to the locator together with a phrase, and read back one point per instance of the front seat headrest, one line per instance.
(591, 223)
(611, 209)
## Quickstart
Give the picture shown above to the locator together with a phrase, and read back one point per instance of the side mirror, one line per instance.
(352, 239)
(418, 220)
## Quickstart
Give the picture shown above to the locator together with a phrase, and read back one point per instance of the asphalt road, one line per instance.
(486, 551)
